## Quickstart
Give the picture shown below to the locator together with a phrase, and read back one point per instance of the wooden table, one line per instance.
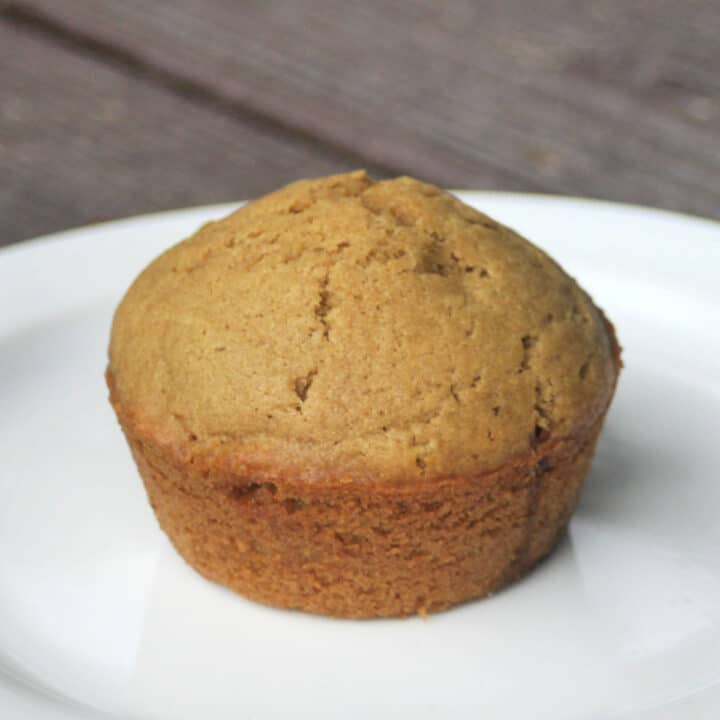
(110, 108)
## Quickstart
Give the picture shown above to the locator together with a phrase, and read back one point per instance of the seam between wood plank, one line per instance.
(31, 20)
(112, 53)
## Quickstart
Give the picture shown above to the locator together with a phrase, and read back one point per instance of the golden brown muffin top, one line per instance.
(345, 328)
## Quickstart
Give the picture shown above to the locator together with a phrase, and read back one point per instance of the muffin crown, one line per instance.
(342, 328)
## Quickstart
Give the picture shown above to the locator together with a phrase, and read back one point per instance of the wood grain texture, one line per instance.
(81, 141)
(619, 99)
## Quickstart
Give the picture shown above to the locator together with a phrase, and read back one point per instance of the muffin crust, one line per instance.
(341, 326)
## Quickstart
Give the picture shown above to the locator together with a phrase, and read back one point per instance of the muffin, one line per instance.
(359, 398)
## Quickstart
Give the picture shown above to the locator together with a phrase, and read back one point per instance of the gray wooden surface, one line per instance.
(114, 108)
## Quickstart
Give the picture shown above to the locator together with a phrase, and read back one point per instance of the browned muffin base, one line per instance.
(363, 549)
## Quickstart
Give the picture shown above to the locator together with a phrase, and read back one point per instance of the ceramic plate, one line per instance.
(100, 618)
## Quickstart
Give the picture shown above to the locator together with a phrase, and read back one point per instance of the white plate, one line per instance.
(99, 616)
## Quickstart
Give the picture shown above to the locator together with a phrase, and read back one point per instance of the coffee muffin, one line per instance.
(361, 398)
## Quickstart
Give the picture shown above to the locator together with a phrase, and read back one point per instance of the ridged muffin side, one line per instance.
(364, 549)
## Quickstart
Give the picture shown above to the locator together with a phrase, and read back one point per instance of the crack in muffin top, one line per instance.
(342, 327)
